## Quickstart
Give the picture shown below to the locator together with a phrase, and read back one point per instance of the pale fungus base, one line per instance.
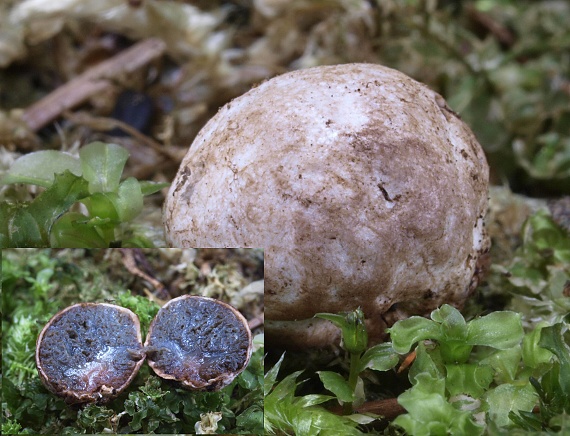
(362, 185)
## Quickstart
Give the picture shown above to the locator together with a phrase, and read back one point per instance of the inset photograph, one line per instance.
(132, 341)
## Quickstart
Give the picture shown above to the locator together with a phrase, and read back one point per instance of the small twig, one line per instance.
(501, 32)
(255, 322)
(131, 262)
(389, 408)
(407, 362)
(105, 124)
(91, 82)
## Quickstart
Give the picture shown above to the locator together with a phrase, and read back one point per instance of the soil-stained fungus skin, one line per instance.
(200, 342)
(89, 352)
(362, 185)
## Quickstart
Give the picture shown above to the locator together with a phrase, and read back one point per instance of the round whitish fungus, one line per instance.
(200, 342)
(89, 352)
(362, 185)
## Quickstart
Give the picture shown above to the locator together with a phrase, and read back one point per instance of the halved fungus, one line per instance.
(200, 342)
(89, 352)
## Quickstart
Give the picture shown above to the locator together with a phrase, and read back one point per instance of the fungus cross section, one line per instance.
(90, 348)
(196, 341)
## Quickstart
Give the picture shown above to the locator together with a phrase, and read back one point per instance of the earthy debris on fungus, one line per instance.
(362, 185)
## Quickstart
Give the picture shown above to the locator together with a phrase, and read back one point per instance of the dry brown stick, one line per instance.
(255, 322)
(106, 124)
(388, 408)
(93, 81)
(498, 30)
(131, 259)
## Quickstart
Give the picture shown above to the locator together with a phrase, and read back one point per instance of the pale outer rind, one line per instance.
(361, 184)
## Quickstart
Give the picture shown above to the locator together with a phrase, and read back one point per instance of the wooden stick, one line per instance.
(255, 322)
(91, 82)
(388, 408)
(501, 32)
(105, 124)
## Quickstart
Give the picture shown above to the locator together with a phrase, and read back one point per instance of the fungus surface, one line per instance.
(361, 184)
(200, 342)
(89, 352)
